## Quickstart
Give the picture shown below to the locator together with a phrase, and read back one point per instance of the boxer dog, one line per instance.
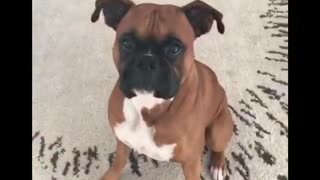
(165, 104)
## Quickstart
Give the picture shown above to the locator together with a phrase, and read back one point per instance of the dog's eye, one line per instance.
(127, 45)
(173, 49)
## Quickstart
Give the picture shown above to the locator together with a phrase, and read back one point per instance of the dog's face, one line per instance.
(153, 48)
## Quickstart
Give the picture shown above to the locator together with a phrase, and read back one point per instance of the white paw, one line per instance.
(217, 173)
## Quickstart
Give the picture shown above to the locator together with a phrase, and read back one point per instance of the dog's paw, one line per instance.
(217, 173)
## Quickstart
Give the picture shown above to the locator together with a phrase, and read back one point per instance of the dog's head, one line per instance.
(153, 48)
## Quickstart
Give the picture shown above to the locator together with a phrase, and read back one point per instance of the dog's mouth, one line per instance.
(164, 81)
(162, 91)
(164, 95)
(156, 93)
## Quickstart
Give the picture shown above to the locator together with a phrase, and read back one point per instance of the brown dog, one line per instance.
(165, 104)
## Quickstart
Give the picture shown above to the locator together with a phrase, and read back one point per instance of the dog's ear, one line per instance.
(113, 11)
(201, 17)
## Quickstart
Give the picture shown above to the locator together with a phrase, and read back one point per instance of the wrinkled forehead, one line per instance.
(157, 22)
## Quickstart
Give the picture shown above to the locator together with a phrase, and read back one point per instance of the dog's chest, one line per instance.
(135, 133)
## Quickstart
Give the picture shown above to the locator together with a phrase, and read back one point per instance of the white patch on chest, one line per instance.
(135, 133)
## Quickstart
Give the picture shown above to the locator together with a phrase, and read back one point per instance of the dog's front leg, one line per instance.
(115, 170)
(192, 169)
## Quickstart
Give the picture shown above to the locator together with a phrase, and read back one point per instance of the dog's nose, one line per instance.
(147, 63)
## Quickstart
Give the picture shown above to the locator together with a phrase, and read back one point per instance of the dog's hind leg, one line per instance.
(218, 135)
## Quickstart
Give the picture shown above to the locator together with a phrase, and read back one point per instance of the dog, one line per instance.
(165, 104)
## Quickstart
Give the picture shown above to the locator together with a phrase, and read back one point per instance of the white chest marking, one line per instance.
(135, 133)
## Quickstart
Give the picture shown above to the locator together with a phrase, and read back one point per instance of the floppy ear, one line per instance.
(113, 11)
(201, 17)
